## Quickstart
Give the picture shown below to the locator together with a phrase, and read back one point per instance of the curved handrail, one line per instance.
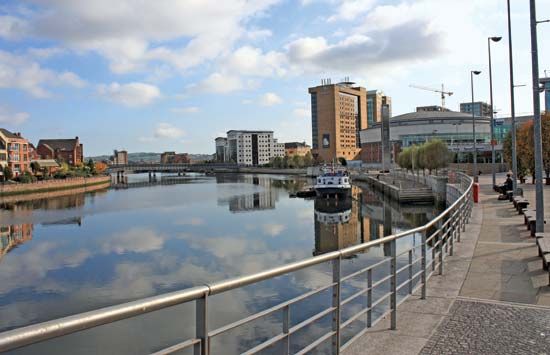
(31, 334)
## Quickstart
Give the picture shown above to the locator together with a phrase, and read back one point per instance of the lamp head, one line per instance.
(495, 39)
(476, 72)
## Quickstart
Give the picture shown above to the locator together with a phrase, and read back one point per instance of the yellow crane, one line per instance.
(442, 92)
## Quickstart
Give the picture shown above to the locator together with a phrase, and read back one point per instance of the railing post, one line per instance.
(393, 290)
(369, 298)
(410, 272)
(441, 240)
(286, 328)
(201, 326)
(423, 265)
(336, 304)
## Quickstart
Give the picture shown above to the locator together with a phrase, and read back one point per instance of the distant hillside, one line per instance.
(148, 157)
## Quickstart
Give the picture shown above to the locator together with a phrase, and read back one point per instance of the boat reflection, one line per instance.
(338, 223)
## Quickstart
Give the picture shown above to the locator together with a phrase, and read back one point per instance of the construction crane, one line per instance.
(442, 92)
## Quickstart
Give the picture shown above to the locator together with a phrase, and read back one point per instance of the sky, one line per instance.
(150, 76)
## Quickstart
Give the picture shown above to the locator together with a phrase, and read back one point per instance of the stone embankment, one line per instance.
(53, 185)
(397, 188)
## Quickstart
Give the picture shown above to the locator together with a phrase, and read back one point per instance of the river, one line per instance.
(75, 253)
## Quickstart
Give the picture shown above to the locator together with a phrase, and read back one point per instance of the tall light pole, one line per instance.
(536, 119)
(489, 40)
(512, 102)
(472, 73)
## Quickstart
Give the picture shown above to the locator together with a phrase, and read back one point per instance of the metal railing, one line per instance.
(438, 238)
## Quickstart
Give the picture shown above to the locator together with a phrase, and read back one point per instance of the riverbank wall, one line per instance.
(7, 190)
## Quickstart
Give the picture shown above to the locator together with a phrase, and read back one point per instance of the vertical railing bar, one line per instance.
(369, 298)
(201, 326)
(423, 264)
(336, 317)
(393, 283)
(411, 271)
(286, 328)
(440, 246)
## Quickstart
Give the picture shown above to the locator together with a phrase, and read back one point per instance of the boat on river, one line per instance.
(333, 182)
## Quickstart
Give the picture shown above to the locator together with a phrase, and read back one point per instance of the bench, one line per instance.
(510, 195)
(521, 204)
(543, 244)
(532, 222)
(528, 213)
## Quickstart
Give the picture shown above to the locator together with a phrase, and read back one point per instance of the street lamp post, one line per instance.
(489, 40)
(512, 103)
(537, 121)
(472, 73)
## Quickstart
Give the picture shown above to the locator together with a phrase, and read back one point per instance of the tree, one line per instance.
(308, 159)
(91, 166)
(8, 174)
(277, 162)
(525, 148)
(298, 161)
(546, 144)
(404, 159)
(343, 161)
(35, 167)
(100, 167)
(436, 155)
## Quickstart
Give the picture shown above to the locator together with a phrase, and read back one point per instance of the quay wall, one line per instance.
(52, 185)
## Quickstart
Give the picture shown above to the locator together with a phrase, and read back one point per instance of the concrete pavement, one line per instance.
(487, 298)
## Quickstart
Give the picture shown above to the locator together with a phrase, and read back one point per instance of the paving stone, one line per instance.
(483, 328)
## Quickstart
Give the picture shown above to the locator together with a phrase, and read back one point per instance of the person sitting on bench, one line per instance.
(507, 186)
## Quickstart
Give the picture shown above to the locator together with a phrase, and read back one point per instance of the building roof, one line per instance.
(46, 163)
(296, 145)
(59, 144)
(9, 134)
(247, 131)
(429, 117)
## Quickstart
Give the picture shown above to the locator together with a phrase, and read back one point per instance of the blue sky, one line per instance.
(174, 74)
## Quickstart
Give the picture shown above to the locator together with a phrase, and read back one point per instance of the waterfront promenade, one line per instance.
(493, 297)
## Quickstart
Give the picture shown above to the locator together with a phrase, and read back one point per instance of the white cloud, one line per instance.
(273, 229)
(270, 99)
(9, 117)
(166, 130)
(129, 40)
(253, 62)
(12, 28)
(44, 53)
(136, 240)
(132, 94)
(351, 9)
(19, 72)
(218, 83)
(190, 109)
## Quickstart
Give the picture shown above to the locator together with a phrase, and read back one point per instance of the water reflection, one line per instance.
(93, 250)
(12, 236)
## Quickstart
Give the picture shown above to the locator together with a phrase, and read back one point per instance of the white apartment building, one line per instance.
(250, 147)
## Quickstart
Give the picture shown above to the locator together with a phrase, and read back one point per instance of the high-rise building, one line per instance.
(221, 149)
(338, 113)
(375, 101)
(480, 108)
(251, 147)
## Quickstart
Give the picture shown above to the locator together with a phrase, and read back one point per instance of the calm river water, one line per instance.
(75, 253)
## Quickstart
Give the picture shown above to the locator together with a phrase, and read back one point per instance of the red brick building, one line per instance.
(14, 152)
(173, 158)
(69, 151)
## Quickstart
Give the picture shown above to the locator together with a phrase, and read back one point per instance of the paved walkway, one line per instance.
(493, 298)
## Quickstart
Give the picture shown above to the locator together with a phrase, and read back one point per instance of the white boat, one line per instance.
(333, 182)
